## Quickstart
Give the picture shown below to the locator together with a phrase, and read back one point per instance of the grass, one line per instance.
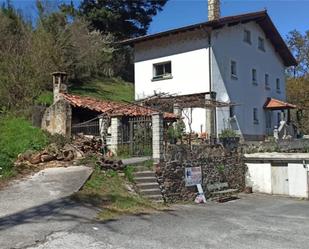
(106, 89)
(109, 191)
(17, 136)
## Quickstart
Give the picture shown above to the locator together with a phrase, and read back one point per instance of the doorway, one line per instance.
(279, 178)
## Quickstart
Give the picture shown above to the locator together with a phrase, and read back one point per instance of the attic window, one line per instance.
(247, 36)
(261, 44)
(162, 70)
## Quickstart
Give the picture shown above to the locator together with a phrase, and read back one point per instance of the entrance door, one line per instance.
(279, 179)
(269, 128)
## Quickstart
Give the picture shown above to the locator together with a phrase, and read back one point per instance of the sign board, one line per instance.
(193, 176)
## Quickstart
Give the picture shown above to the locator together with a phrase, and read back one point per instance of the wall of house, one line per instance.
(188, 53)
(228, 45)
(57, 118)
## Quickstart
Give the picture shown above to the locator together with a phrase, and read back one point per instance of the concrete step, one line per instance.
(150, 192)
(147, 179)
(157, 198)
(147, 185)
(144, 174)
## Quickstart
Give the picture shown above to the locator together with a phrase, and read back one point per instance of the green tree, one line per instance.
(122, 18)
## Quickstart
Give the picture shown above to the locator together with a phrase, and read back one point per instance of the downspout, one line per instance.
(212, 94)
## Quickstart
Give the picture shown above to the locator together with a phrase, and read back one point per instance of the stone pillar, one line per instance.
(157, 137)
(116, 134)
(103, 126)
(211, 128)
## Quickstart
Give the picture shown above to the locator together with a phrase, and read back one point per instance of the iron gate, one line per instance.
(91, 127)
(137, 135)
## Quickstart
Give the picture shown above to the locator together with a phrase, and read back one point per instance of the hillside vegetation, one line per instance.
(17, 136)
(103, 89)
(106, 89)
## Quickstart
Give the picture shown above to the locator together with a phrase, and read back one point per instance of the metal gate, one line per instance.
(140, 136)
(91, 127)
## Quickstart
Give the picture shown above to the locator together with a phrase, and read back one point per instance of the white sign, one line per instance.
(193, 176)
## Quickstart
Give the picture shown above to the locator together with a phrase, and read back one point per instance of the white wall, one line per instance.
(188, 53)
(228, 45)
(298, 185)
(259, 177)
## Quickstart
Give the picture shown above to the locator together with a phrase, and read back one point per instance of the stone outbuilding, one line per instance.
(71, 114)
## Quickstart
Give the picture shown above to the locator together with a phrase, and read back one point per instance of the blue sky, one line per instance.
(286, 14)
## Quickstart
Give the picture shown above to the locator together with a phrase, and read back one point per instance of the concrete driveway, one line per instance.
(39, 205)
(254, 221)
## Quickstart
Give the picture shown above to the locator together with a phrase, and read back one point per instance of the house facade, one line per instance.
(241, 58)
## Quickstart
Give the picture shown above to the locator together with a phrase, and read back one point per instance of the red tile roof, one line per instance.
(275, 104)
(113, 108)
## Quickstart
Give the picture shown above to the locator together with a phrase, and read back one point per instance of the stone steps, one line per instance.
(148, 186)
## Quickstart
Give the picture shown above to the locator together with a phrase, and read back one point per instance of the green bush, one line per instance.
(17, 136)
(129, 173)
(228, 133)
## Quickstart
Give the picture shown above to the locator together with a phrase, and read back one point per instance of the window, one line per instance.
(261, 44)
(232, 111)
(162, 70)
(255, 116)
(267, 81)
(254, 76)
(234, 69)
(278, 85)
(247, 36)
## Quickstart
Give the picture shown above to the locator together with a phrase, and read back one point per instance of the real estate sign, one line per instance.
(193, 176)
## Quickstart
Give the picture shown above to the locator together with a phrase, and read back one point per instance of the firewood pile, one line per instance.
(108, 164)
(80, 147)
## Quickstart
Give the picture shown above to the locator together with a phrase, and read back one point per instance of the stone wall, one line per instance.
(218, 165)
(57, 118)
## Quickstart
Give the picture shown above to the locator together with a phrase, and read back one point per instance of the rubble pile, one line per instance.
(77, 149)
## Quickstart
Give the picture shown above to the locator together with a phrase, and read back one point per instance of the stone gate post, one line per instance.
(115, 134)
(157, 137)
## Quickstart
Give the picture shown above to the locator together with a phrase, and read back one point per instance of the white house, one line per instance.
(241, 58)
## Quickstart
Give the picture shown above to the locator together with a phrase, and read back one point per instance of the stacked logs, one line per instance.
(79, 147)
(108, 164)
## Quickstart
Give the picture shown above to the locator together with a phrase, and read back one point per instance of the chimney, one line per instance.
(213, 10)
(59, 85)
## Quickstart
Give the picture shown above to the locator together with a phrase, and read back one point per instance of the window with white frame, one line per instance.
(233, 69)
(162, 70)
(247, 36)
(255, 116)
(278, 85)
(267, 86)
(261, 44)
(254, 76)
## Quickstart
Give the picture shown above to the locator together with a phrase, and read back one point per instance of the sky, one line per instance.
(286, 14)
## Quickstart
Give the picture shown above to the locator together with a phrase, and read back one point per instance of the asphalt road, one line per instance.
(253, 222)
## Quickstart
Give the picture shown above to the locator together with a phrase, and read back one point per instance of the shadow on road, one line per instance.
(64, 209)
